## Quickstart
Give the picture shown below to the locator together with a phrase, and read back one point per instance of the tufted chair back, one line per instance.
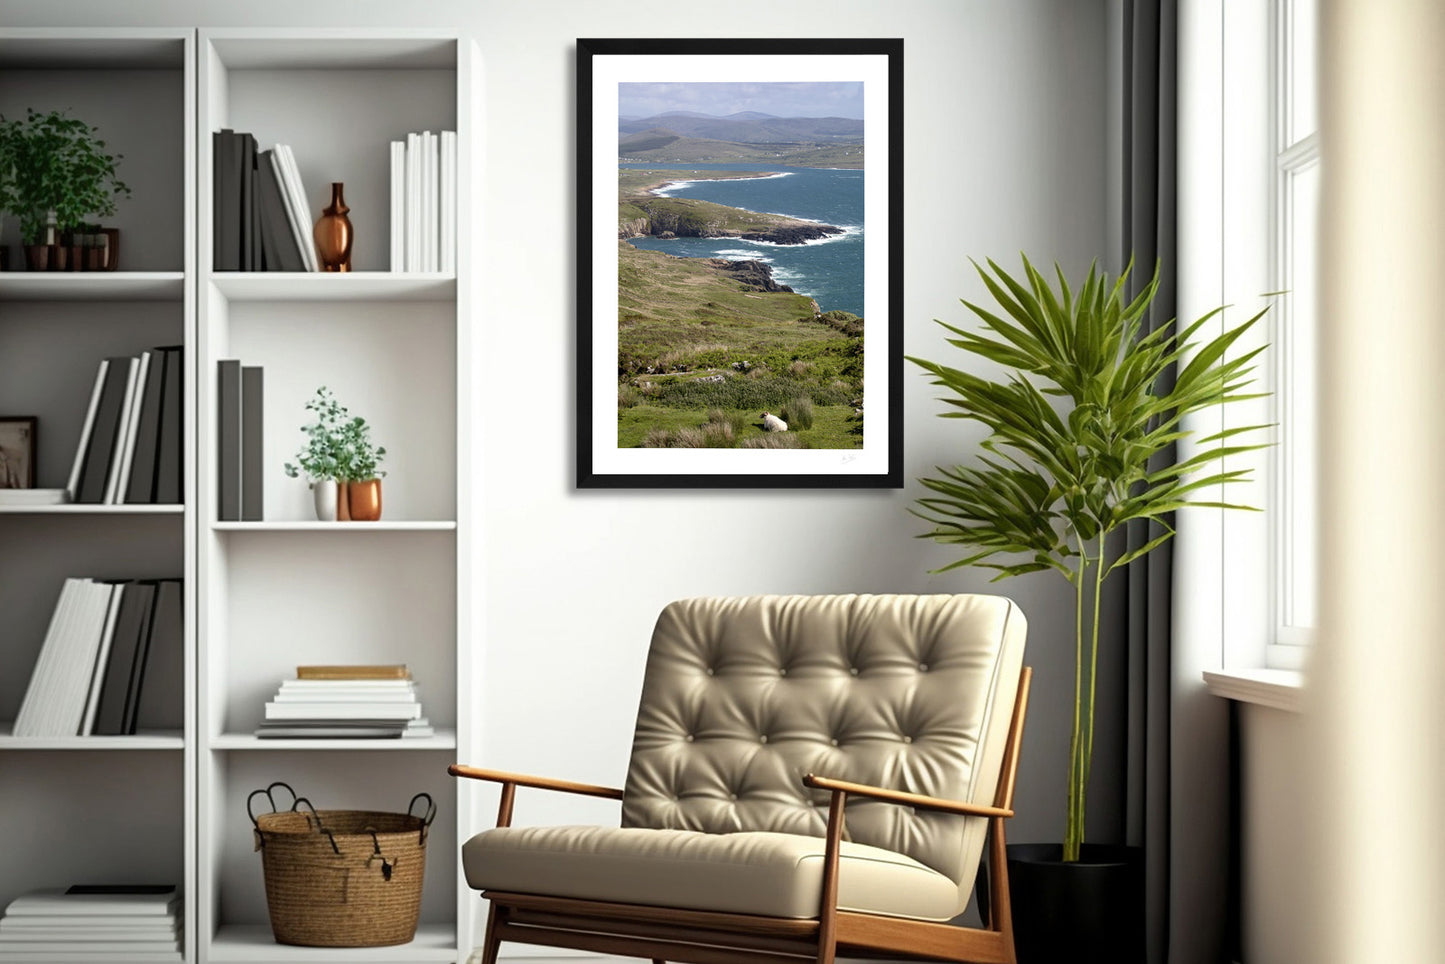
(742, 696)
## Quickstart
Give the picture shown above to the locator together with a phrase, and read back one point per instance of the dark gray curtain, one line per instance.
(1148, 221)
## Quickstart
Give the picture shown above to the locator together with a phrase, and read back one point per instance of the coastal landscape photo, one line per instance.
(740, 277)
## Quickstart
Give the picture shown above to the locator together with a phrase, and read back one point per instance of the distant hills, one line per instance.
(749, 127)
(747, 136)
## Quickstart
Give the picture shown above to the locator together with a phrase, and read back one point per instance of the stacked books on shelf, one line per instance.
(93, 923)
(424, 202)
(340, 702)
(239, 391)
(131, 441)
(111, 661)
(260, 218)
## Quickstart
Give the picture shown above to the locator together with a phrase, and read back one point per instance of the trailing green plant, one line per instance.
(320, 458)
(1079, 445)
(54, 165)
(359, 456)
(338, 444)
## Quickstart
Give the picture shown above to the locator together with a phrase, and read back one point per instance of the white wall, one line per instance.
(1005, 120)
(1274, 795)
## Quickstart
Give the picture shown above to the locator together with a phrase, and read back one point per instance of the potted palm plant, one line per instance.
(1081, 435)
(55, 173)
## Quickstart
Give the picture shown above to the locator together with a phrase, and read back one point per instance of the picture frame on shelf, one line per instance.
(17, 451)
(739, 261)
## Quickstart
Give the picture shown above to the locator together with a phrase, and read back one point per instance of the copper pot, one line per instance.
(333, 233)
(363, 500)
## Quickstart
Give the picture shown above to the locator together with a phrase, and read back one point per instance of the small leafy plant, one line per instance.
(54, 166)
(1079, 444)
(358, 455)
(320, 458)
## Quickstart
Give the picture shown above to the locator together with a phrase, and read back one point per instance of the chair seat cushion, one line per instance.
(764, 873)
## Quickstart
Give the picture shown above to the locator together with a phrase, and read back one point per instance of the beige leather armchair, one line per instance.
(760, 718)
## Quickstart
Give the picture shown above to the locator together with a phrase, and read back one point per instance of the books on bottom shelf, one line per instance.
(93, 923)
(106, 641)
(339, 702)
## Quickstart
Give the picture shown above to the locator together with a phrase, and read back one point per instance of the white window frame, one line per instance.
(1296, 451)
(1234, 253)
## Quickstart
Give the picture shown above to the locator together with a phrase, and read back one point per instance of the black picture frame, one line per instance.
(875, 67)
(18, 432)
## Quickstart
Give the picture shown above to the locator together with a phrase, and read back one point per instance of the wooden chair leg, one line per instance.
(490, 943)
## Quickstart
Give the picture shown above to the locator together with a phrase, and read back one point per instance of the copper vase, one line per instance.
(363, 500)
(333, 233)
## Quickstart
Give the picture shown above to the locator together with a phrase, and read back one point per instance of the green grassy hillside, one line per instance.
(694, 342)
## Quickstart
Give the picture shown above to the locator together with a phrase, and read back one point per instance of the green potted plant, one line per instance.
(54, 173)
(360, 472)
(320, 458)
(1080, 442)
(340, 461)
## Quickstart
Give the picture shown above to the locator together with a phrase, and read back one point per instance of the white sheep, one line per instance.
(771, 423)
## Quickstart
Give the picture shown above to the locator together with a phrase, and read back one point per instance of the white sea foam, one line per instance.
(742, 254)
(667, 189)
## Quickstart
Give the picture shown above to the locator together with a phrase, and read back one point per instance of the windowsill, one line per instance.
(1281, 689)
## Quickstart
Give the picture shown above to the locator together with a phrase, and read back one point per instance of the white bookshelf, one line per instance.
(93, 285)
(261, 597)
(119, 807)
(394, 347)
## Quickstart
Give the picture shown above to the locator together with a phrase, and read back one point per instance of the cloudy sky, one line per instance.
(803, 99)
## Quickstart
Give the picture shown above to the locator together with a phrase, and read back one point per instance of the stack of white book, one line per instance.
(424, 202)
(340, 702)
(92, 924)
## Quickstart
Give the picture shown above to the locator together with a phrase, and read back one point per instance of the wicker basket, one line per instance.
(341, 878)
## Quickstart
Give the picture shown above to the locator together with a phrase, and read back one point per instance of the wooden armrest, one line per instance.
(541, 783)
(905, 799)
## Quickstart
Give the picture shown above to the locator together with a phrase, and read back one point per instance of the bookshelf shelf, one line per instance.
(254, 943)
(240, 286)
(445, 739)
(77, 509)
(156, 740)
(92, 286)
(348, 528)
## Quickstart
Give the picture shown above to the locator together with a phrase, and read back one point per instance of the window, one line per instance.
(1293, 499)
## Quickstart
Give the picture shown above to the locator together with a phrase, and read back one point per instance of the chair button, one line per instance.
(852, 671)
(782, 671)
(833, 742)
(908, 739)
(687, 739)
(709, 671)
(923, 667)
(763, 738)
(732, 796)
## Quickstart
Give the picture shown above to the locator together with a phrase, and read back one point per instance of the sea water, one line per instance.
(829, 270)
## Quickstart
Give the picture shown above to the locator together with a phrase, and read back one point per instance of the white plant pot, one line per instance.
(323, 494)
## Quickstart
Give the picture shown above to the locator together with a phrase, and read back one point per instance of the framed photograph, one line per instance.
(17, 452)
(739, 262)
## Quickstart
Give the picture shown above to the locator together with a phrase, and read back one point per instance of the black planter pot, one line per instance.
(1087, 912)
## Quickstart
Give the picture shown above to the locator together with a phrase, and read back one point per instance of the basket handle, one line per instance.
(431, 812)
(270, 799)
(313, 815)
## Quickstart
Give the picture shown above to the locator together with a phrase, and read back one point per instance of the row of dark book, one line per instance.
(131, 441)
(240, 442)
(261, 221)
(94, 923)
(111, 662)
